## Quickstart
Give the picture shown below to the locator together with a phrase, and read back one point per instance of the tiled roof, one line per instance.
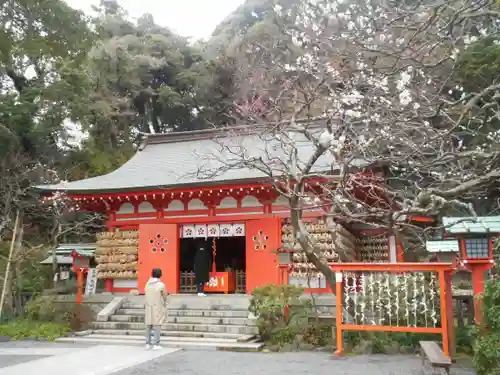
(480, 224)
(191, 158)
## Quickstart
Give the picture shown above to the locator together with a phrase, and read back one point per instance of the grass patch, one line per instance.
(26, 329)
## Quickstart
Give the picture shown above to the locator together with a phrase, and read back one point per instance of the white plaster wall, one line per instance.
(196, 204)
(228, 202)
(250, 201)
(175, 205)
(146, 207)
(126, 208)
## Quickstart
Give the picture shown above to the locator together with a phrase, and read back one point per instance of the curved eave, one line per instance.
(49, 189)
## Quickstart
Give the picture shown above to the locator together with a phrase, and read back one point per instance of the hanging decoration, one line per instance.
(214, 254)
(200, 231)
(188, 231)
(226, 230)
(238, 230)
(213, 230)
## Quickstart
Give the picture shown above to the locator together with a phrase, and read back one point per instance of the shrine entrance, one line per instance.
(226, 245)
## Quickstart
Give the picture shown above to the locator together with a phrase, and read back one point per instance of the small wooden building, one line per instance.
(165, 202)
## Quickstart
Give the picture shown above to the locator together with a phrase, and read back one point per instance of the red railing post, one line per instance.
(444, 314)
(450, 315)
(338, 310)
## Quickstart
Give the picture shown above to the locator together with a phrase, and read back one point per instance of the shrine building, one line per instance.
(166, 202)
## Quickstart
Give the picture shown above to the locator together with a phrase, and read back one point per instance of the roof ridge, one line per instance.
(202, 134)
(192, 135)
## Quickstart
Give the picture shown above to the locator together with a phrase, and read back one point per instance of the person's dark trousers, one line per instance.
(201, 287)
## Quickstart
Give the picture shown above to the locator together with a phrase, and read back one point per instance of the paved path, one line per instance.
(57, 360)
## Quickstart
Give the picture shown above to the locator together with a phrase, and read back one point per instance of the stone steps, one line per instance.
(184, 334)
(190, 312)
(241, 329)
(216, 321)
(189, 302)
(217, 344)
(187, 320)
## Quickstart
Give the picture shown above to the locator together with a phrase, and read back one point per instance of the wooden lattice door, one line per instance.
(263, 239)
(159, 248)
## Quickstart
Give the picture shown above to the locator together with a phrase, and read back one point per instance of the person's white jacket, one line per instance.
(156, 309)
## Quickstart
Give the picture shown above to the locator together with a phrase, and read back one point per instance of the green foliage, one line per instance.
(270, 304)
(28, 329)
(383, 342)
(48, 309)
(479, 64)
(487, 348)
(52, 39)
(465, 337)
(316, 333)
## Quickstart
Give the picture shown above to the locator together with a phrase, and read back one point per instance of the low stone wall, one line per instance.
(325, 304)
(96, 302)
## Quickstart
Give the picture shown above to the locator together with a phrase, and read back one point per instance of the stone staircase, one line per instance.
(220, 321)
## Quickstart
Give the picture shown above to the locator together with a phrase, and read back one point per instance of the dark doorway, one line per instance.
(229, 257)
(230, 254)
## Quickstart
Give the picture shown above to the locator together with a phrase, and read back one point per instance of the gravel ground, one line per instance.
(193, 362)
(208, 362)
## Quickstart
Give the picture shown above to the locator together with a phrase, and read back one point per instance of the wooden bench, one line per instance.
(434, 361)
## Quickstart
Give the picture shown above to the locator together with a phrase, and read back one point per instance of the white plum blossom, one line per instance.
(370, 83)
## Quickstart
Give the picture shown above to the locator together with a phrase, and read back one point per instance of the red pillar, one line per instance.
(450, 316)
(339, 309)
(79, 287)
(108, 285)
(478, 279)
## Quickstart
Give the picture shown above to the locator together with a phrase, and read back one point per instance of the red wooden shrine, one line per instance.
(184, 206)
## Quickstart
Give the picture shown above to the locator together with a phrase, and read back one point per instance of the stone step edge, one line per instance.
(190, 334)
(188, 320)
(182, 310)
(177, 324)
(134, 338)
(175, 308)
(240, 347)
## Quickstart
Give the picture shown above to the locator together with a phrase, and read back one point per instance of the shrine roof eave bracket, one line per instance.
(206, 185)
(175, 189)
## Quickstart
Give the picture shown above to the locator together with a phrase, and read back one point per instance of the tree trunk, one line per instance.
(6, 303)
(307, 244)
(54, 254)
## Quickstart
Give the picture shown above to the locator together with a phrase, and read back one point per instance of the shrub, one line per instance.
(487, 348)
(22, 329)
(280, 312)
(48, 309)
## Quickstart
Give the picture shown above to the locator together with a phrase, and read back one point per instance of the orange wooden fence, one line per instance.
(394, 297)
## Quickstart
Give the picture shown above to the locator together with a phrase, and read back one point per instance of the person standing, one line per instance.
(156, 309)
(201, 270)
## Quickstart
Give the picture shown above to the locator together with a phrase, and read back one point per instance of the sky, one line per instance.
(194, 18)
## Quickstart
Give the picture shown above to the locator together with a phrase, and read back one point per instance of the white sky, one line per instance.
(194, 18)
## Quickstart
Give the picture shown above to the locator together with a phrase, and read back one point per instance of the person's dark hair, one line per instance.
(156, 273)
